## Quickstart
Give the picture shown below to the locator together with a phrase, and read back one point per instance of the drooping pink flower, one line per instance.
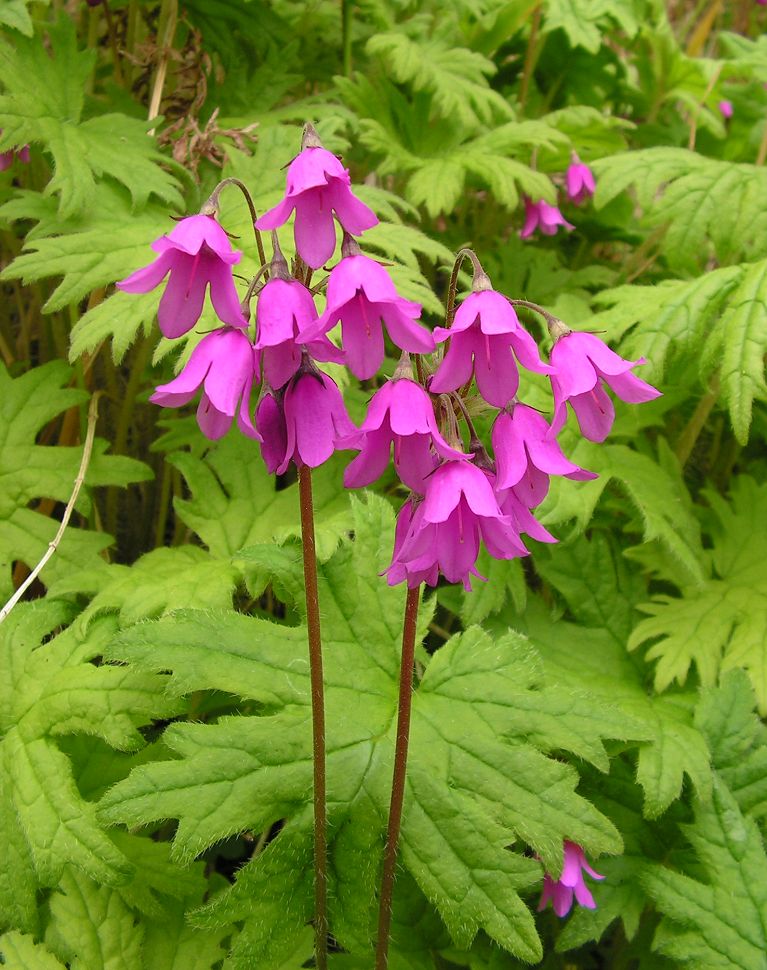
(270, 421)
(315, 418)
(579, 180)
(458, 510)
(485, 338)
(361, 295)
(400, 413)
(196, 253)
(544, 217)
(583, 364)
(725, 109)
(398, 572)
(570, 883)
(317, 186)
(7, 158)
(284, 313)
(520, 516)
(526, 454)
(224, 364)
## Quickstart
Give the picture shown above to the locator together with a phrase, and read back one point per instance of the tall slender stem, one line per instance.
(398, 778)
(318, 719)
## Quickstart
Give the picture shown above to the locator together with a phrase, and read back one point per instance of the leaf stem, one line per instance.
(318, 717)
(398, 777)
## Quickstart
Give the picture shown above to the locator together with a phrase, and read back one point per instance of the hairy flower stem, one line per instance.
(398, 778)
(318, 718)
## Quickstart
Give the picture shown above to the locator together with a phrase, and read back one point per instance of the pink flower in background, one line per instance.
(526, 455)
(571, 883)
(579, 180)
(458, 510)
(544, 217)
(400, 413)
(485, 338)
(583, 365)
(284, 313)
(317, 186)
(725, 109)
(224, 364)
(315, 418)
(7, 158)
(362, 296)
(196, 253)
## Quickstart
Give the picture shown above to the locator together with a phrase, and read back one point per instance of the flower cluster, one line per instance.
(560, 892)
(459, 496)
(546, 218)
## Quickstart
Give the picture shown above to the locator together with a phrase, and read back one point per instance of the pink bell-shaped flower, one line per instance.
(485, 338)
(458, 510)
(197, 254)
(224, 364)
(361, 295)
(544, 217)
(285, 311)
(579, 180)
(317, 186)
(401, 413)
(270, 421)
(398, 572)
(315, 418)
(570, 884)
(583, 364)
(526, 454)
(726, 109)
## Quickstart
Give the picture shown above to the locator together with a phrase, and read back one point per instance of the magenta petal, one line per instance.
(148, 277)
(595, 413)
(224, 297)
(281, 363)
(495, 369)
(414, 461)
(457, 364)
(276, 217)
(232, 368)
(531, 219)
(353, 214)
(410, 408)
(371, 462)
(183, 387)
(314, 230)
(285, 309)
(631, 389)
(244, 419)
(496, 314)
(362, 337)
(405, 332)
(270, 421)
(378, 409)
(213, 423)
(527, 353)
(181, 303)
(509, 451)
(575, 372)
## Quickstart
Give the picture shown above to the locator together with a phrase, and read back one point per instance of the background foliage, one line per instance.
(155, 741)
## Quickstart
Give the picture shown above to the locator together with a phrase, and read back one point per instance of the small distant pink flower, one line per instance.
(224, 364)
(725, 108)
(284, 313)
(526, 455)
(315, 418)
(579, 180)
(361, 295)
(7, 158)
(401, 413)
(196, 253)
(485, 338)
(317, 186)
(458, 510)
(583, 365)
(544, 217)
(570, 883)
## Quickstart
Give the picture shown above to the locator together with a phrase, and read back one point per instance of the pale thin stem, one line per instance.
(398, 779)
(699, 106)
(531, 56)
(761, 155)
(318, 718)
(170, 10)
(690, 434)
(54, 543)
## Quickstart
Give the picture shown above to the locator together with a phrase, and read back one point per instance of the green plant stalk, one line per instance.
(398, 778)
(347, 12)
(318, 718)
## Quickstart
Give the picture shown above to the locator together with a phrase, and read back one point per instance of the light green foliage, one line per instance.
(479, 780)
(584, 21)
(33, 472)
(715, 917)
(721, 623)
(53, 690)
(43, 104)
(20, 952)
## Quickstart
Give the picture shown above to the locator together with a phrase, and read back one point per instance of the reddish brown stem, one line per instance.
(318, 719)
(398, 778)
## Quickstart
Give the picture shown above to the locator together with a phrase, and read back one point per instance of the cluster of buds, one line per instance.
(546, 218)
(459, 495)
